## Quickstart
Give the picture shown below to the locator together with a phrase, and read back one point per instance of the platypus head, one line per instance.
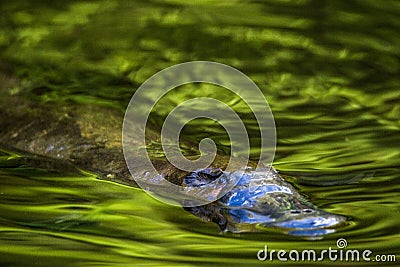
(262, 199)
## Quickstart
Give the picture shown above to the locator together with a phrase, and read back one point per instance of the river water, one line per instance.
(329, 70)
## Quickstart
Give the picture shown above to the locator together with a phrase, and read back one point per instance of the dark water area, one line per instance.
(329, 70)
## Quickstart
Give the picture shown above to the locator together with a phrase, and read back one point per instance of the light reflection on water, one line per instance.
(48, 218)
(328, 69)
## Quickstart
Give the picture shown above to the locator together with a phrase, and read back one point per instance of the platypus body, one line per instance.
(89, 137)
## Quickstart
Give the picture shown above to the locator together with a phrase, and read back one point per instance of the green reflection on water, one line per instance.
(329, 70)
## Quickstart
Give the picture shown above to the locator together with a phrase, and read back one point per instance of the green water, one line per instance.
(329, 70)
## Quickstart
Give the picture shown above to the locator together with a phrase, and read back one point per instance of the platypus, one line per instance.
(89, 137)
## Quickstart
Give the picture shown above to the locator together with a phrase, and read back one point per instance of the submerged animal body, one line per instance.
(89, 137)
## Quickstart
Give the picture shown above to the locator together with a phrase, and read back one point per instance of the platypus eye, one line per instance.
(202, 177)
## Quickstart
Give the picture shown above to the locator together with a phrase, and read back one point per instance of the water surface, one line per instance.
(329, 70)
